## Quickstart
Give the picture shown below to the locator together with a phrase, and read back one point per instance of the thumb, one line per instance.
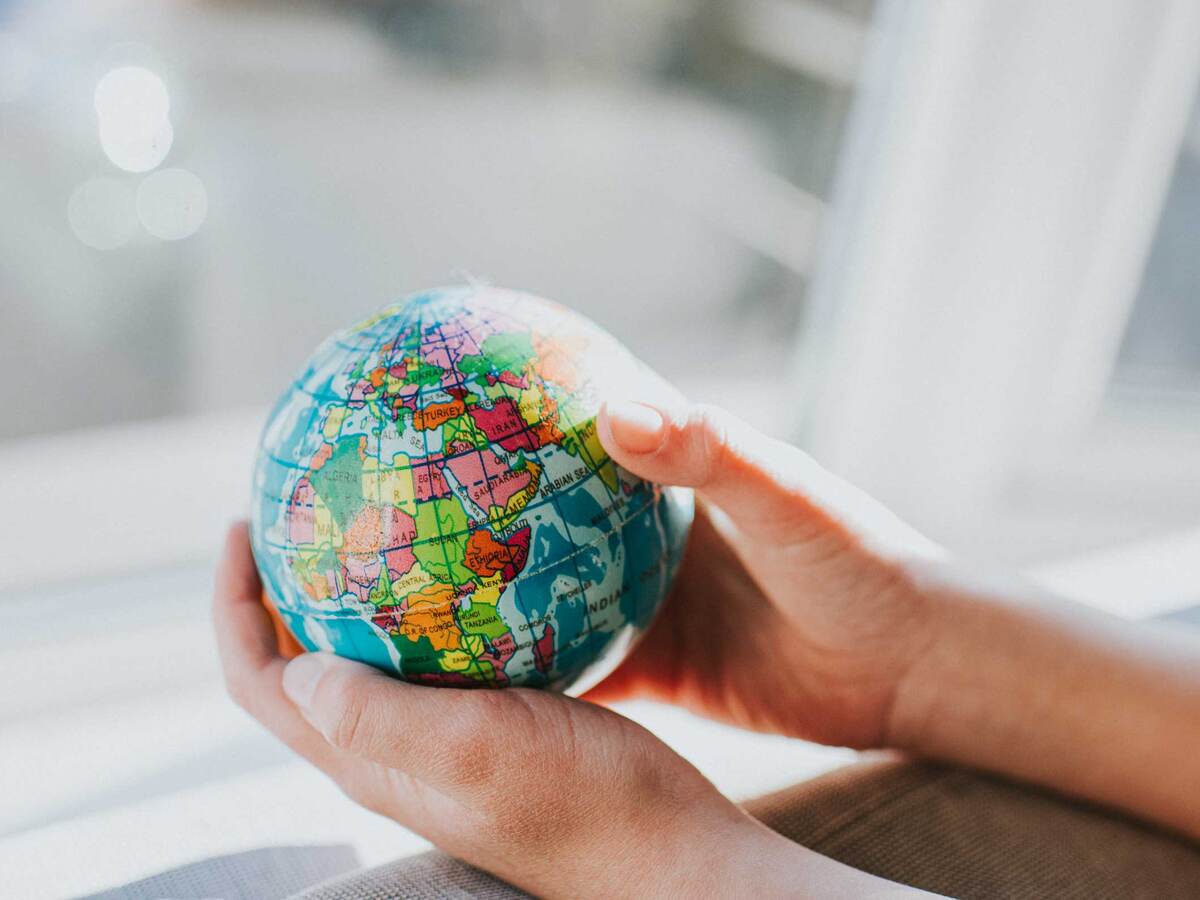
(443, 736)
(771, 490)
(352, 704)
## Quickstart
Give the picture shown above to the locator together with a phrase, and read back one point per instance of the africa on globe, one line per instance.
(431, 497)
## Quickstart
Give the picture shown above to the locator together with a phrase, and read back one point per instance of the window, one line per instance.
(1160, 352)
(1006, 170)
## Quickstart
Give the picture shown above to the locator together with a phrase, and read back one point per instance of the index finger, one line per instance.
(244, 645)
(250, 655)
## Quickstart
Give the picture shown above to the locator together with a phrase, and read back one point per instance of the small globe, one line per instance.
(431, 497)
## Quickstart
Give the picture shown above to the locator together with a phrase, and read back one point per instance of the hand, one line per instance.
(555, 795)
(803, 607)
(792, 611)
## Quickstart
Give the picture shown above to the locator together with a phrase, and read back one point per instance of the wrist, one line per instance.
(749, 859)
(980, 655)
(948, 660)
(710, 850)
(739, 857)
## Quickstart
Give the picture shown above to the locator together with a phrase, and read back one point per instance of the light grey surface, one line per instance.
(264, 874)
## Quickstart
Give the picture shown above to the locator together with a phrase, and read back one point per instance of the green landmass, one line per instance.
(500, 353)
(339, 481)
(441, 544)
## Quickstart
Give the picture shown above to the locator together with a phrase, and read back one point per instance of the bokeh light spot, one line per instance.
(172, 204)
(131, 102)
(136, 153)
(102, 214)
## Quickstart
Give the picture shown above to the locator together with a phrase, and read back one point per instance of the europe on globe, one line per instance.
(431, 497)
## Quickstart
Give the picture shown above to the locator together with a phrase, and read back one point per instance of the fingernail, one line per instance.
(637, 427)
(301, 675)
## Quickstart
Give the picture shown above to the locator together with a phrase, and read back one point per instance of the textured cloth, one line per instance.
(264, 874)
(967, 835)
(947, 830)
(429, 876)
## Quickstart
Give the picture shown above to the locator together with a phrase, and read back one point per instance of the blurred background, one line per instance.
(949, 248)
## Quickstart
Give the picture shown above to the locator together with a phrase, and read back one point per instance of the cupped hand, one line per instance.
(793, 611)
(558, 796)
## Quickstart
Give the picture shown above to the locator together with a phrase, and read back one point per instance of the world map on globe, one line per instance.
(431, 497)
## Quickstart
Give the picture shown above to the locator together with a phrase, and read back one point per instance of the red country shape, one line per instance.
(389, 618)
(503, 425)
(518, 544)
(543, 650)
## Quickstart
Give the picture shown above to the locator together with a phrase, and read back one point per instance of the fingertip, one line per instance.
(237, 540)
(634, 427)
(604, 432)
(656, 441)
(322, 680)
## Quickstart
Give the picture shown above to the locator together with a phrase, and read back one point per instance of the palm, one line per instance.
(797, 661)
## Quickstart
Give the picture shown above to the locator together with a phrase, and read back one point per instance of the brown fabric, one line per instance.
(968, 835)
(947, 830)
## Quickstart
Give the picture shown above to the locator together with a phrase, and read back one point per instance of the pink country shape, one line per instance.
(487, 479)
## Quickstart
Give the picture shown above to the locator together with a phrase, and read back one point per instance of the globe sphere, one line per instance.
(431, 497)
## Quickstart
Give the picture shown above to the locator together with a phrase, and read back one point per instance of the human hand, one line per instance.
(555, 795)
(793, 611)
(804, 607)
